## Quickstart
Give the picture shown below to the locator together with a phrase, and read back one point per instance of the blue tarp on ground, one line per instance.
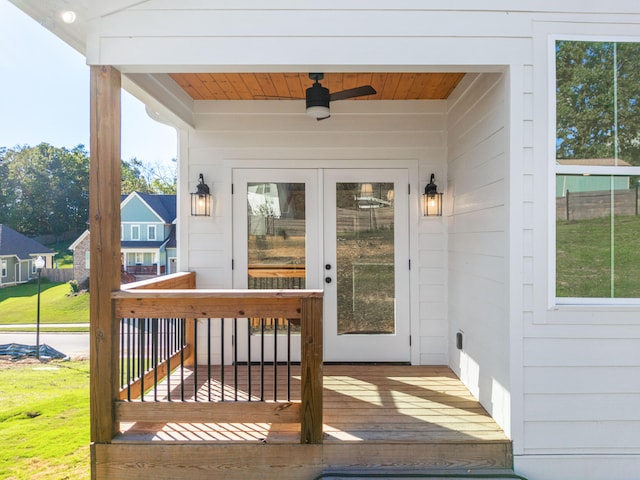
(17, 351)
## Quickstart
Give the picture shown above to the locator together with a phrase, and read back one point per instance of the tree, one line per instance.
(44, 189)
(590, 94)
(142, 177)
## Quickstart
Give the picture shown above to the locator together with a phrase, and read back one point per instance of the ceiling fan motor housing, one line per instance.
(318, 96)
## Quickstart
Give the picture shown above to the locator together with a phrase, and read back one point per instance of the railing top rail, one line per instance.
(187, 303)
(172, 281)
(217, 293)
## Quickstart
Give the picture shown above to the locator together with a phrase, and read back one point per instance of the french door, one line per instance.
(366, 261)
(345, 231)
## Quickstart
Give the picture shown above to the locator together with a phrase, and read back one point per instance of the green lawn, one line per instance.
(44, 420)
(587, 263)
(64, 257)
(18, 304)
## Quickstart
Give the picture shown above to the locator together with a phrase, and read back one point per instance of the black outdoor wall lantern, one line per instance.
(201, 200)
(431, 200)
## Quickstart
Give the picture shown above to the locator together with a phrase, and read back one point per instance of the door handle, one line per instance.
(327, 279)
(327, 266)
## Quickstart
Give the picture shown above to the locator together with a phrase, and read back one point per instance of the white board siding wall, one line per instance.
(477, 241)
(581, 365)
(358, 135)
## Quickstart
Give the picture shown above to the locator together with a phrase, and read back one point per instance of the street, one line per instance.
(74, 345)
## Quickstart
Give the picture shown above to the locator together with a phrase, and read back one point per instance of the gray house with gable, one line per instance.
(17, 255)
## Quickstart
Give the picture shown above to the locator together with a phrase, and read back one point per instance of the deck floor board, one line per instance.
(362, 403)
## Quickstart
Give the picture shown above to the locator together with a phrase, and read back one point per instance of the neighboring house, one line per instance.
(466, 91)
(17, 255)
(586, 183)
(148, 239)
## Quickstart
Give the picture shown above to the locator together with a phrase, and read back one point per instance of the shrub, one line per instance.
(73, 285)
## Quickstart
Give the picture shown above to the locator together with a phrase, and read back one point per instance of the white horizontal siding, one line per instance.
(579, 407)
(577, 465)
(149, 54)
(477, 269)
(567, 6)
(581, 352)
(205, 22)
(572, 381)
(581, 437)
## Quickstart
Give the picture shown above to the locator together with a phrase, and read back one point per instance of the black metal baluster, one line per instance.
(122, 373)
(195, 356)
(222, 320)
(262, 359)
(180, 339)
(209, 358)
(129, 320)
(275, 359)
(249, 357)
(147, 338)
(167, 337)
(235, 358)
(155, 358)
(141, 361)
(288, 360)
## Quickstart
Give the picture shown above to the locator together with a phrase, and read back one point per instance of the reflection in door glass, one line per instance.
(365, 258)
(276, 248)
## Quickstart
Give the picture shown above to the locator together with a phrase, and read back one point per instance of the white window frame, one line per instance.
(575, 170)
(4, 268)
(139, 256)
(135, 228)
(152, 228)
(87, 259)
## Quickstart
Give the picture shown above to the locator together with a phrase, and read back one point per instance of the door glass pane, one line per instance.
(276, 249)
(365, 258)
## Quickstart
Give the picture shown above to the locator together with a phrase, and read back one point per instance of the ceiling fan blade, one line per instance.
(353, 92)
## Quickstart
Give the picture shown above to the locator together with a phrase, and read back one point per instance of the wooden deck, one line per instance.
(375, 416)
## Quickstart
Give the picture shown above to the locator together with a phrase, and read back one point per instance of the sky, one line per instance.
(44, 95)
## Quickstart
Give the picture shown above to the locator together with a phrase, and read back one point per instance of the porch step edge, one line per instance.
(431, 474)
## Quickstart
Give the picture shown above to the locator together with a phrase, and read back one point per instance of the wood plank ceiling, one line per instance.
(274, 86)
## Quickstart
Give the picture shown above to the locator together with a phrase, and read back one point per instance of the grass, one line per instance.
(44, 421)
(63, 257)
(18, 304)
(584, 258)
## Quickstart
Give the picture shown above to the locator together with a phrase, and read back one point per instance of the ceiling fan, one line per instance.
(318, 97)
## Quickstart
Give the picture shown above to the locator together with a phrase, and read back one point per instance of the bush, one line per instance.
(74, 286)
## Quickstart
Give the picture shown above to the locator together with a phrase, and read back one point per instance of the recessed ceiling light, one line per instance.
(69, 16)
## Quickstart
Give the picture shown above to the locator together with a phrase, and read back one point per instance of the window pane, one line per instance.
(365, 258)
(597, 229)
(276, 220)
(597, 91)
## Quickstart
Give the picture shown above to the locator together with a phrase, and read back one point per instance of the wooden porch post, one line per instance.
(104, 224)
(311, 375)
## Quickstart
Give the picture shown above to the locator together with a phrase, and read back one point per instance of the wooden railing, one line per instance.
(149, 308)
(276, 276)
(144, 269)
